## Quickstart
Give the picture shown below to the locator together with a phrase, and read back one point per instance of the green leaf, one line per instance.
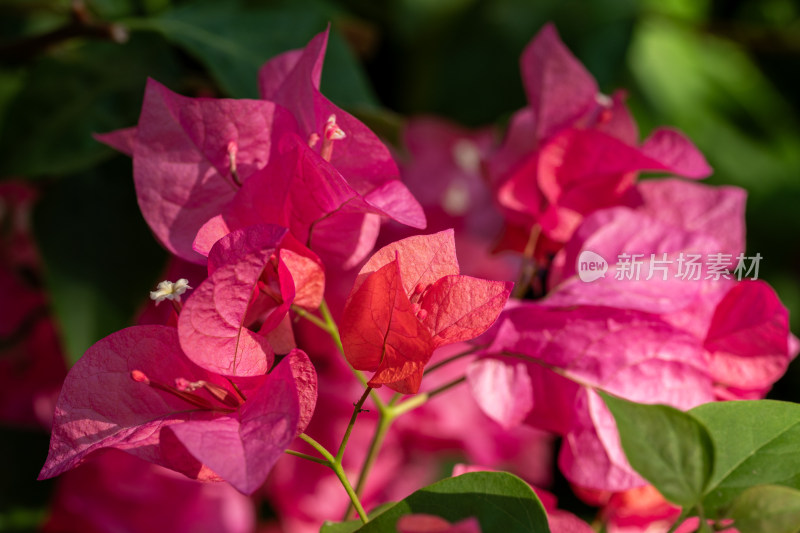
(234, 39)
(351, 526)
(97, 87)
(112, 9)
(755, 443)
(712, 89)
(767, 509)
(460, 59)
(668, 447)
(500, 501)
(100, 258)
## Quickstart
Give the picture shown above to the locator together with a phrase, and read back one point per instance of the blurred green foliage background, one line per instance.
(725, 72)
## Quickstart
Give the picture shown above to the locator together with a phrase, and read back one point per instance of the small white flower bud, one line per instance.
(168, 290)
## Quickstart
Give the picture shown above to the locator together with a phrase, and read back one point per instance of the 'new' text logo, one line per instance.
(591, 266)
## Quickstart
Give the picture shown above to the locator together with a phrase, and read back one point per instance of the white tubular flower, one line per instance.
(168, 290)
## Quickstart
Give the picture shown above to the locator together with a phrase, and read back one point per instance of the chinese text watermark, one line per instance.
(684, 266)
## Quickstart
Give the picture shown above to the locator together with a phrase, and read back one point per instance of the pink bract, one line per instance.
(137, 392)
(115, 491)
(410, 299)
(572, 150)
(191, 157)
(183, 156)
(568, 351)
(292, 80)
(742, 324)
(255, 275)
(305, 193)
(424, 523)
(505, 390)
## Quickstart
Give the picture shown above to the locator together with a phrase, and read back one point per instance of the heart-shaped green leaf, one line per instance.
(668, 447)
(767, 509)
(500, 501)
(755, 443)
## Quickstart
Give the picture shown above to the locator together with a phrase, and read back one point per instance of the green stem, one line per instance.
(447, 386)
(387, 417)
(421, 399)
(680, 520)
(449, 360)
(703, 526)
(362, 514)
(333, 331)
(339, 471)
(528, 269)
(384, 423)
(311, 318)
(308, 457)
(356, 410)
(330, 325)
(410, 404)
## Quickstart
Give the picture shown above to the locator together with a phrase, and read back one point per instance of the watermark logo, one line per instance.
(684, 266)
(591, 266)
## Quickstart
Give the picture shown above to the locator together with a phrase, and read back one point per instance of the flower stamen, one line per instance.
(331, 133)
(216, 391)
(198, 401)
(233, 149)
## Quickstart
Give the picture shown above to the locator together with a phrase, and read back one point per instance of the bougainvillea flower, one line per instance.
(135, 391)
(632, 510)
(742, 324)
(715, 211)
(443, 172)
(425, 523)
(679, 216)
(734, 335)
(192, 155)
(567, 352)
(748, 341)
(408, 300)
(572, 150)
(255, 275)
(167, 315)
(292, 80)
(115, 491)
(302, 191)
(642, 509)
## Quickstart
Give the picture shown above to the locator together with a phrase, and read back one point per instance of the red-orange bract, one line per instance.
(408, 300)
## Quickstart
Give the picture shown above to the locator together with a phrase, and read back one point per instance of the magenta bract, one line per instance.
(137, 392)
(567, 351)
(192, 156)
(573, 150)
(255, 275)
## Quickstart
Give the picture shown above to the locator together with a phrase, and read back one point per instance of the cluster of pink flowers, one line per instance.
(269, 206)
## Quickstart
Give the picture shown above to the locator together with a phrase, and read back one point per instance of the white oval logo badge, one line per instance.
(591, 266)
